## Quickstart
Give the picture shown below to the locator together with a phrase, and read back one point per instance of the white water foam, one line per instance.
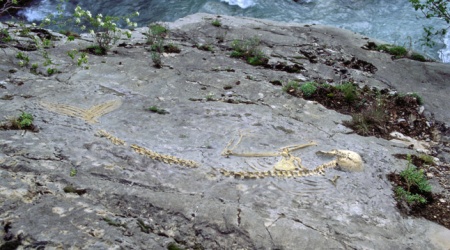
(444, 53)
(39, 12)
(241, 3)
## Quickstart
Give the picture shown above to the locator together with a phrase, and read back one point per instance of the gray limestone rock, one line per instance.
(66, 186)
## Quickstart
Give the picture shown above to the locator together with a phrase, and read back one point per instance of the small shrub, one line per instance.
(414, 179)
(249, 51)
(427, 159)
(157, 110)
(156, 32)
(308, 88)
(257, 59)
(349, 90)
(157, 46)
(397, 51)
(418, 57)
(24, 59)
(34, 67)
(417, 97)
(156, 58)
(291, 86)
(97, 50)
(4, 36)
(205, 47)
(368, 121)
(51, 71)
(172, 48)
(216, 22)
(25, 120)
(210, 97)
(174, 246)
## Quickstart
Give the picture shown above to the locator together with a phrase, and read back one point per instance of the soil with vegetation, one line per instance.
(437, 206)
(378, 113)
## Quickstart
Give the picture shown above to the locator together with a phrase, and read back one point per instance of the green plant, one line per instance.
(369, 120)
(47, 59)
(158, 46)
(155, 109)
(51, 71)
(249, 51)
(4, 36)
(427, 159)
(308, 88)
(46, 43)
(114, 223)
(171, 48)
(8, 5)
(82, 59)
(97, 50)
(24, 59)
(216, 22)
(396, 51)
(291, 86)
(418, 57)
(156, 32)
(417, 97)
(413, 178)
(439, 10)
(103, 29)
(25, 120)
(210, 97)
(34, 68)
(73, 172)
(156, 58)
(205, 47)
(174, 246)
(349, 90)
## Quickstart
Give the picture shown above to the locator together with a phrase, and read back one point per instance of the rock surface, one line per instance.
(125, 200)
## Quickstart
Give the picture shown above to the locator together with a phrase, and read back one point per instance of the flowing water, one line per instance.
(394, 21)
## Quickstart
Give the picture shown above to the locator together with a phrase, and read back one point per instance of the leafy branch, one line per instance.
(439, 9)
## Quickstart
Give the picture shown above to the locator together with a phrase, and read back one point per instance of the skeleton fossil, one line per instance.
(288, 167)
(291, 166)
(90, 115)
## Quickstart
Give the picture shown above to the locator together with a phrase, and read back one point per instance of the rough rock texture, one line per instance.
(125, 200)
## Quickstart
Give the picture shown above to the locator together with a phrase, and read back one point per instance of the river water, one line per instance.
(394, 21)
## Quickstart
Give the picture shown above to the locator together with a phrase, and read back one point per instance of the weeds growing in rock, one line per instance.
(349, 90)
(249, 51)
(396, 51)
(157, 110)
(171, 48)
(416, 184)
(205, 47)
(216, 22)
(155, 33)
(369, 121)
(174, 246)
(308, 88)
(291, 86)
(103, 29)
(156, 59)
(23, 121)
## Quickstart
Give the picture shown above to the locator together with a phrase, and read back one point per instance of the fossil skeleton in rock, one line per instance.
(90, 115)
(291, 166)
